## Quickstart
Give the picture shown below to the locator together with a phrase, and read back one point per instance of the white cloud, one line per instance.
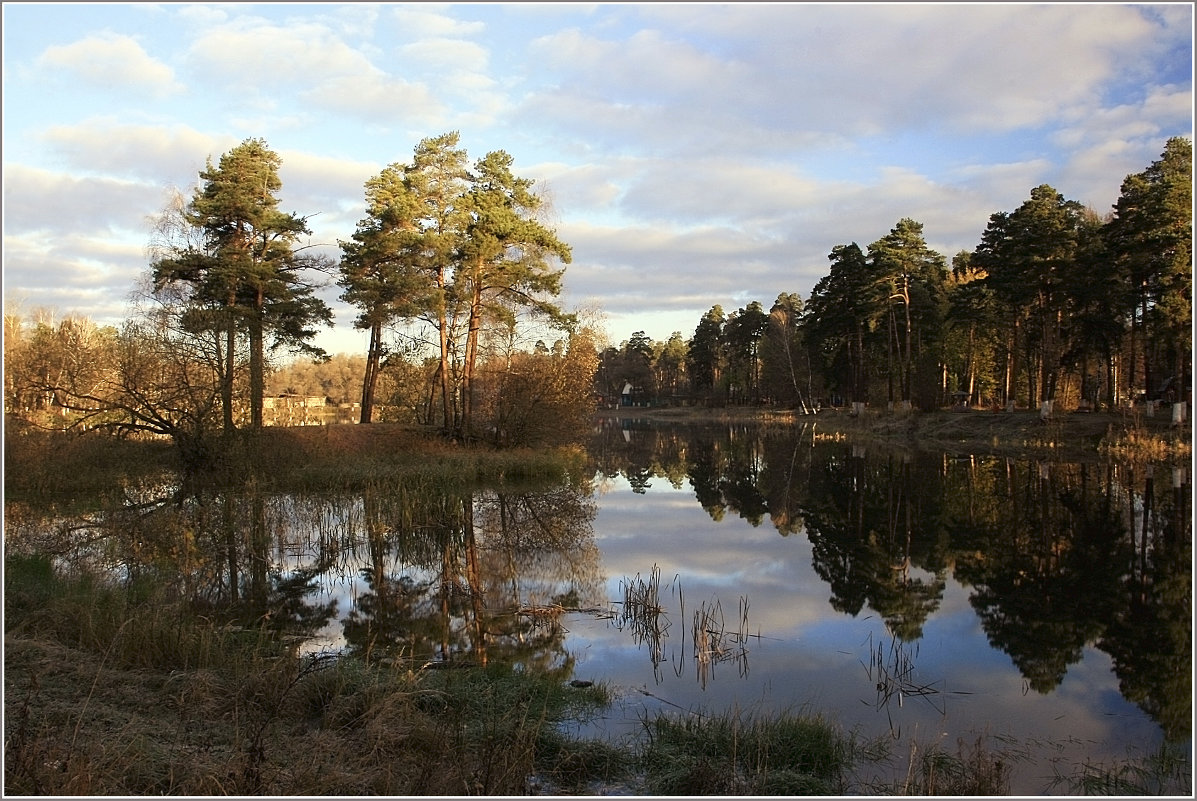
(71, 272)
(446, 55)
(418, 22)
(376, 97)
(325, 73)
(261, 54)
(154, 153)
(962, 67)
(202, 15)
(37, 200)
(112, 62)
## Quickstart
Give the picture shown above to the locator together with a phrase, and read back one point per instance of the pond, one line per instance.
(923, 597)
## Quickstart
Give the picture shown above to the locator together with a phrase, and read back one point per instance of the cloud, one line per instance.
(314, 62)
(113, 63)
(201, 15)
(816, 70)
(161, 154)
(442, 55)
(252, 52)
(416, 22)
(35, 200)
(71, 272)
(755, 195)
(377, 97)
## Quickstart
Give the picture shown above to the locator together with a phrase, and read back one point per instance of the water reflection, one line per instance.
(1055, 557)
(401, 573)
(876, 576)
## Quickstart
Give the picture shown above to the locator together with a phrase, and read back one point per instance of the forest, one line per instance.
(1056, 304)
(455, 275)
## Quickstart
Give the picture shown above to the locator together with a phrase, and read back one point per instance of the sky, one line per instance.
(691, 155)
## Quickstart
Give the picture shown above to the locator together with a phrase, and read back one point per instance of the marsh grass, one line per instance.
(1133, 442)
(740, 754)
(1166, 771)
(106, 695)
(112, 688)
(72, 469)
(972, 770)
(353, 456)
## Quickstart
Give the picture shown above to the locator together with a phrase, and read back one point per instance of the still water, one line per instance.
(924, 597)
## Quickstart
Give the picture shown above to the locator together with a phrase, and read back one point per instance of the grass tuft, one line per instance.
(733, 754)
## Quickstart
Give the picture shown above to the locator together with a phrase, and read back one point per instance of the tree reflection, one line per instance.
(432, 575)
(875, 540)
(1044, 570)
(1150, 640)
(1058, 557)
(450, 572)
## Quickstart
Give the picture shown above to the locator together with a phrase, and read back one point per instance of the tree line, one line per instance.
(455, 274)
(1055, 302)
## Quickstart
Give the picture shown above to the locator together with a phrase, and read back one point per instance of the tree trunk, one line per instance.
(890, 355)
(471, 356)
(971, 369)
(257, 363)
(226, 380)
(909, 359)
(229, 527)
(370, 382)
(443, 326)
(1147, 371)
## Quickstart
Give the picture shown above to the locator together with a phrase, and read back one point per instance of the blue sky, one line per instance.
(694, 154)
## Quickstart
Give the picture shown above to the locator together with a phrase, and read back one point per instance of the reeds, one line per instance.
(1167, 771)
(641, 613)
(715, 643)
(712, 640)
(1137, 444)
(891, 667)
(972, 770)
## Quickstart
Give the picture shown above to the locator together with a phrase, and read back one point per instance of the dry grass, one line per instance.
(96, 705)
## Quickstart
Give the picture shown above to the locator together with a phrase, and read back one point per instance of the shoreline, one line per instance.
(1089, 435)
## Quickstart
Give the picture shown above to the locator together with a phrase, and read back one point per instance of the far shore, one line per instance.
(1064, 434)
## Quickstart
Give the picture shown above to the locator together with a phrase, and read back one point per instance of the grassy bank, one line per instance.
(113, 690)
(117, 689)
(66, 467)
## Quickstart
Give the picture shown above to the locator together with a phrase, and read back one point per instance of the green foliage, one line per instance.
(1150, 242)
(457, 249)
(1027, 255)
(839, 316)
(237, 268)
(909, 276)
(705, 357)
